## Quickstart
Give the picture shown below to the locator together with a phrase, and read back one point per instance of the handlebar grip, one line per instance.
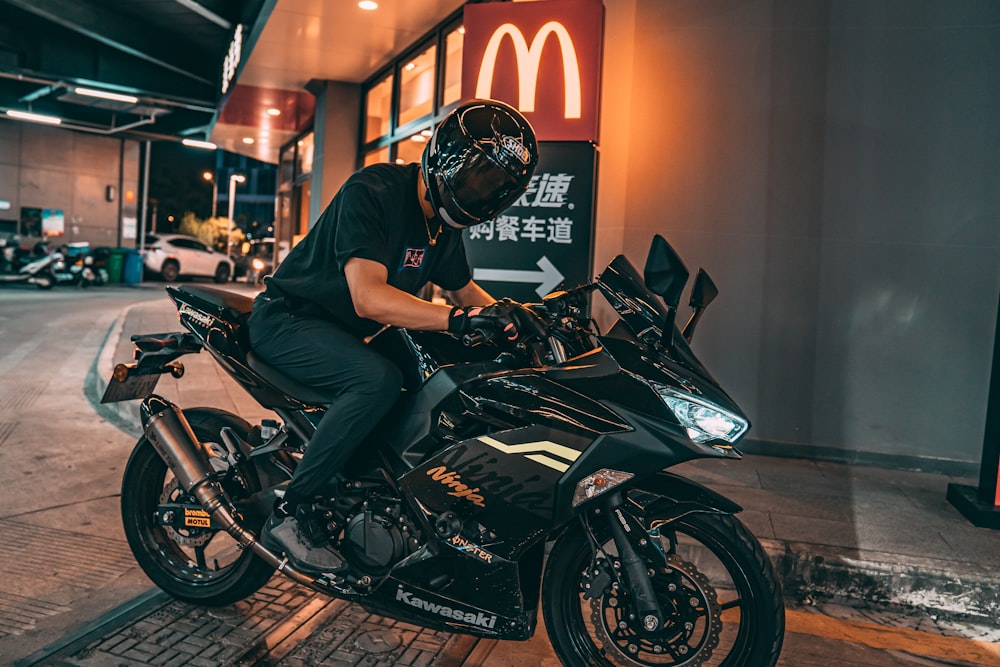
(477, 337)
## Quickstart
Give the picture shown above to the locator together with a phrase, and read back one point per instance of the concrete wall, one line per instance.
(835, 164)
(46, 167)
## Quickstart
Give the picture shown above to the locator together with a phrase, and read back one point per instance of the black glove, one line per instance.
(494, 318)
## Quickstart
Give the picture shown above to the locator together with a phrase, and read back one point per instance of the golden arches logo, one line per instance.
(528, 62)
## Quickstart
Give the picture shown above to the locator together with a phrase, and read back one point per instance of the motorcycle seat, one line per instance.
(285, 384)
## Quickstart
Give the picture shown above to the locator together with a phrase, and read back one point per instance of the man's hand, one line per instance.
(496, 317)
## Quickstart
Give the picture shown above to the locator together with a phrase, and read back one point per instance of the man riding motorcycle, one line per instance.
(389, 231)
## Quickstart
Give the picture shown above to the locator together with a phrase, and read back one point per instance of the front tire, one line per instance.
(718, 591)
(200, 566)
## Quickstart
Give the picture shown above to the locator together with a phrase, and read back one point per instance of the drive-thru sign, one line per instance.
(545, 239)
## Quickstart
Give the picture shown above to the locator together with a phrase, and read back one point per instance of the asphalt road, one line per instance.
(64, 561)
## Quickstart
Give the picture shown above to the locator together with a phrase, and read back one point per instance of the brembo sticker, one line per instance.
(480, 619)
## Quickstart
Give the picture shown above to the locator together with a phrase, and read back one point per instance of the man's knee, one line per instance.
(384, 380)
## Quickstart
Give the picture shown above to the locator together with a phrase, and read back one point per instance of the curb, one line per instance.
(123, 415)
(810, 573)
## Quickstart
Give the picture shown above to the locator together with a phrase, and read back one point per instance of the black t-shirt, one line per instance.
(376, 215)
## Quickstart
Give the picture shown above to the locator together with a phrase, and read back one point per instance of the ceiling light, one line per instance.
(248, 140)
(409, 66)
(273, 112)
(427, 133)
(194, 143)
(461, 30)
(34, 117)
(418, 137)
(116, 97)
(400, 160)
(368, 5)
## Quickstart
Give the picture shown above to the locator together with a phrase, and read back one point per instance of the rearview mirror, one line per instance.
(702, 294)
(665, 275)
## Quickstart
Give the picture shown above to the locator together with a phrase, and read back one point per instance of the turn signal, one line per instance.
(600, 482)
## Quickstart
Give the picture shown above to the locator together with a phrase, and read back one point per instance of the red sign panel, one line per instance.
(543, 58)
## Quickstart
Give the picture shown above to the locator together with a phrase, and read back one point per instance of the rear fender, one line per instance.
(666, 497)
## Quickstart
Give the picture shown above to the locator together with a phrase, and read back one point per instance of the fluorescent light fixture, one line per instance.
(34, 117)
(104, 95)
(194, 143)
(248, 140)
(368, 5)
(273, 112)
(4, 205)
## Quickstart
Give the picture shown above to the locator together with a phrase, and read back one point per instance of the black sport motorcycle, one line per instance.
(505, 475)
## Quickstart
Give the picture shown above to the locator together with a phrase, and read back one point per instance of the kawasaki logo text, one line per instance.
(480, 619)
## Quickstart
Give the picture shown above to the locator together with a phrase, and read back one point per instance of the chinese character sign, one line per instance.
(545, 240)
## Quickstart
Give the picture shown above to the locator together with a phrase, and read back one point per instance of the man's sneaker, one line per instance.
(282, 534)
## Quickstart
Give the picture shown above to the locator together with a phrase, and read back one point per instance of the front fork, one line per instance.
(635, 550)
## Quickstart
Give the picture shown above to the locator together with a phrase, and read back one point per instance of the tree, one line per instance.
(213, 232)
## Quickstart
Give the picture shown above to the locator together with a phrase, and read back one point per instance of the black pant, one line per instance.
(361, 386)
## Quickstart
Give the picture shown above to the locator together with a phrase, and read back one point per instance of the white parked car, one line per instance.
(175, 255)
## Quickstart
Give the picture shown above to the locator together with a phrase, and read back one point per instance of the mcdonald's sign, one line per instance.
(542, 57)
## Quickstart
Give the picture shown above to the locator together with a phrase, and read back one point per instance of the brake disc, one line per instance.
(689, 636)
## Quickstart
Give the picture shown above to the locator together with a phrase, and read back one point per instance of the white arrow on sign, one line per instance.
(548, 277)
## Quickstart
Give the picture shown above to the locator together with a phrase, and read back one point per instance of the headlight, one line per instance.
(703, 420)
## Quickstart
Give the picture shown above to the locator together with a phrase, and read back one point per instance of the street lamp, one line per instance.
(210, 177)
(233, 180)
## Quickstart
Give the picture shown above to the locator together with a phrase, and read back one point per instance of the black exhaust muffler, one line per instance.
(171, 435)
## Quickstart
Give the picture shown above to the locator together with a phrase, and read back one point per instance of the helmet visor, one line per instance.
(478, 187)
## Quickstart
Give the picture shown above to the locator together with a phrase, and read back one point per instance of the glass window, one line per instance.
(286, 167)
(453, 66)
(409, 149)
(377, 155)
(378, 104)
(304, 155)
(416, 86)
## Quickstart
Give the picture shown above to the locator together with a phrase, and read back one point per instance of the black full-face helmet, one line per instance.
(478, 162)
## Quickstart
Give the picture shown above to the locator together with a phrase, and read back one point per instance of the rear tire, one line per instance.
(221, 274)
(199, 566)
(719, 592)
(170, 270)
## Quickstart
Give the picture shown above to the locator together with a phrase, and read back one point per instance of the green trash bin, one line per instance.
(115, 264)
(132, 268)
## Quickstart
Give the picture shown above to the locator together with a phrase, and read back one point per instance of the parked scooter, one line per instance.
(40, 272)
(76, 267)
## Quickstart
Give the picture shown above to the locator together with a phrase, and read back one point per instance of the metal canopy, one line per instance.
(166, 54)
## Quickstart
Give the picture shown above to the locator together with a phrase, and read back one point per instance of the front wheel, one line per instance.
(197, 565)
(718, 592)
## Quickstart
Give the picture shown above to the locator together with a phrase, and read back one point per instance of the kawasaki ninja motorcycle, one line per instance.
(506, 478)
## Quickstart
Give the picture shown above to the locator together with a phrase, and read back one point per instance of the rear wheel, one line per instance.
(170, 270)
(197, 565)
(718, 592)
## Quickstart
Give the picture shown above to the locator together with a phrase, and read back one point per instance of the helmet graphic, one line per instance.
(478, 162)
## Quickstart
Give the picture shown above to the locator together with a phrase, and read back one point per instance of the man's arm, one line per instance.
(375, 299)
(471, 295)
